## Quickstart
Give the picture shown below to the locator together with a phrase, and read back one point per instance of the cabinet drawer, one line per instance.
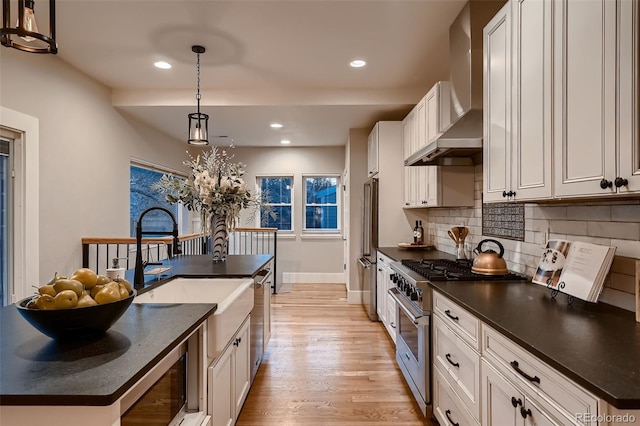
(447, 407)
(385, 260)
(466, 325)
(543, 380)
(459, 364)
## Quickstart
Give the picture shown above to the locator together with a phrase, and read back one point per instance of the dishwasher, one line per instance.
(260, 285)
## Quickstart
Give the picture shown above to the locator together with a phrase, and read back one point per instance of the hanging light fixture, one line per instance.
(198, 122)
(25, 36)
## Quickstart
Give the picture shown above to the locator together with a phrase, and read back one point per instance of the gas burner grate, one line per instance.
(454, 270)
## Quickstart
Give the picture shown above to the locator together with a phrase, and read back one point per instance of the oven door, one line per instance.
(413, 349)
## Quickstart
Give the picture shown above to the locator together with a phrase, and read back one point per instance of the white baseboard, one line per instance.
(312, 277)
(354, 297)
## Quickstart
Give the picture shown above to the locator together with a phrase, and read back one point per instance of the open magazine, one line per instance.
(575, 268)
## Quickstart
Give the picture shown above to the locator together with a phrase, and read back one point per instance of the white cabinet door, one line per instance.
(584, 106)
(629, 98)
(420, 125)
(372, 152)
(391, 316)
(501, 401)
(381, 285)
(496, 147)
(242, 367)
(438, 110)
(531, 100)
(221, 401)
(267, 312)
(408, 172)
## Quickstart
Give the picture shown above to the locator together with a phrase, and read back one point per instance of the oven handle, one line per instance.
(418, 319)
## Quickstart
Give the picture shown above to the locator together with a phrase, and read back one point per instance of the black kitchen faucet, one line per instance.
(138, 276)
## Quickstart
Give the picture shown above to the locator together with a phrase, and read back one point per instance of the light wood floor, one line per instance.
(327, 364)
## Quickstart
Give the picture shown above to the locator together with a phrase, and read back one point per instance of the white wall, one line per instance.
(85, 150)
(319, 258)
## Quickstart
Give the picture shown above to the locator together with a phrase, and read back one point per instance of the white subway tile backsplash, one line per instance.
(626, 248)
(551, 213)
(536, 225)
(628, 213)
(568, 227)
(589, 213)
(619, 230)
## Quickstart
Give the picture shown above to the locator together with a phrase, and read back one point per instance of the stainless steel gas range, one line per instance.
(412, 294)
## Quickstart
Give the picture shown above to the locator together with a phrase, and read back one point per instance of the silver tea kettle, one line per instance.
(488, 262)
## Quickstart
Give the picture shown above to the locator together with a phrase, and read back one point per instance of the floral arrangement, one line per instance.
(214, 188)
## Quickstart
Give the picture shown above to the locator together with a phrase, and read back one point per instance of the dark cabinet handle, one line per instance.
(515, 366)
(619, 182)
(455, 364)
(380, 269)
(448, 313)
(447, 413)
(604, 184)
(513, 193)
(392, 325)
(504, 194)
(524, 413)
(515, 402)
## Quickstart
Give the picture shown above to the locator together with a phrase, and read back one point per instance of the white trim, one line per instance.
(320, 236)
(313, 277)
(354, 297)
(27, 221)
(338, 177)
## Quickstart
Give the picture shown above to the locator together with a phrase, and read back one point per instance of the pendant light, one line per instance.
(24, 35)
(198, 122)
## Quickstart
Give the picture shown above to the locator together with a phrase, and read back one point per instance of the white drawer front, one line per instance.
(542, 380)
(465, 324)
(459, 363)
(386, 260)
(447, 407)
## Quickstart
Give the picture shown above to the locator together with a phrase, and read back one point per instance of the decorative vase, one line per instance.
(219, 238)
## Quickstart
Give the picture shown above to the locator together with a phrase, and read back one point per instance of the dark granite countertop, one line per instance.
(37, 370)
(202, 266)
(595, 344)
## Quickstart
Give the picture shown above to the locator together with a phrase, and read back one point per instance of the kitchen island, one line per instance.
(43, 381)
(594, 344)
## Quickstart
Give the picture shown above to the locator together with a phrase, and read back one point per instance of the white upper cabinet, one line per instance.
(595, 106)
(629, 98)
(437, 110)
(517, 103)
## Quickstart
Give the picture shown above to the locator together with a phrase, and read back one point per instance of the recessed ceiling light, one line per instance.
(285, 142)
(357, 63)
(162, 65)
(276, 125)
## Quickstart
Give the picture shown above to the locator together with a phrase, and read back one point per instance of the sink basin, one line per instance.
(234, 297)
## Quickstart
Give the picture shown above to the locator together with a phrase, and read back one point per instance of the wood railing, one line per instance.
(98, 252)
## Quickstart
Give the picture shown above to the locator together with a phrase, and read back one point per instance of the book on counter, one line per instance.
(575, 268)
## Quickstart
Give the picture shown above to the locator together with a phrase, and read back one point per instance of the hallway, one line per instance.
(327, 364)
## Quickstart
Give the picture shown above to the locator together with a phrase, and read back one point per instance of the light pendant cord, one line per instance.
(198, 93)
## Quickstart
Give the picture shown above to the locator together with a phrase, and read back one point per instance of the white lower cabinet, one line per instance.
(230, 379)
(386, 306)
(447, 406)
(506, 405)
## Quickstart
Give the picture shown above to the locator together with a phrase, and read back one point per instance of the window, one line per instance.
(142, 197)
(321, 203)
(277, 191)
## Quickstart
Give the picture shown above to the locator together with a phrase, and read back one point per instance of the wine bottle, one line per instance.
(415, 233)
(420, 233)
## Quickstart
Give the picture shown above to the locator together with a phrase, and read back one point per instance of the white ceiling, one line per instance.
(266, 61)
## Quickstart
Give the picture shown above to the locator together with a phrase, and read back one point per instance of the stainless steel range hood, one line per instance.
(461, 143)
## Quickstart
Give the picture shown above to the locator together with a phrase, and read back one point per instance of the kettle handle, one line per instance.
(478, 249)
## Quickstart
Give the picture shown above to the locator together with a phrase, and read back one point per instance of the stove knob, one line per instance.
(419, 295)
(414, 295)
(394, 278)
(408, 291)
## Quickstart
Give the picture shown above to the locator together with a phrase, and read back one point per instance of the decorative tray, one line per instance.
(415, 246)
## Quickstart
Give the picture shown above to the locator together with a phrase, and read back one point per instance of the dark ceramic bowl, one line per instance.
(75, 323)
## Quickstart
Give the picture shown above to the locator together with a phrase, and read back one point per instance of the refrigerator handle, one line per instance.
(364, 262)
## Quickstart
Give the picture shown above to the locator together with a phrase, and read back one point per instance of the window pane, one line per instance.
(142, 197)
(321, 190)
(277, 190)
(321, 217)
(282, 220)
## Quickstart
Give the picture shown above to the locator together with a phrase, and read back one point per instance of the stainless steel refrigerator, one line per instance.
(368, 246)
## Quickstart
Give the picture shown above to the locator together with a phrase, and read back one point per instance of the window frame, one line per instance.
(291, 205)
(338, 204)
(187, 221)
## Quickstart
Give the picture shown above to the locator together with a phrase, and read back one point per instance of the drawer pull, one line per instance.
(455, 364)
(446, 413)
(515, 402)
(524, 413)
(535, 379)
(392, 325)
(448, 312)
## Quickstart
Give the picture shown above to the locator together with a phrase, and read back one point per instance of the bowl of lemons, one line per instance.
(82, 305)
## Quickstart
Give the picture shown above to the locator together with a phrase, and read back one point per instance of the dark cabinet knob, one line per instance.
(604, 184)
(619, 182)
(524, 413)
(504, 194)
(515, 402)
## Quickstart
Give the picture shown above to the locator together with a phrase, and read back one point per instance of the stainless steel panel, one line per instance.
(367, 274)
